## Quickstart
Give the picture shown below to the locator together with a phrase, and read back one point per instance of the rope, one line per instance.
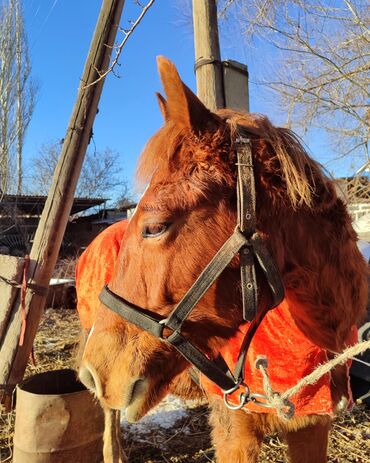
(7, 281)
(35, 288)
(23, 300)
(280, 401)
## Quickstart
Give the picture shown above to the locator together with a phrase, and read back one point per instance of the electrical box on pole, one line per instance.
(235, 84)
(219, 84)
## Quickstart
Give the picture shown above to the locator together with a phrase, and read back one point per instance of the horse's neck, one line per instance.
(320, 270)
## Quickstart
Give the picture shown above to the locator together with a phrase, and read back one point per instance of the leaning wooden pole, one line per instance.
(208, 67)
(53, 222)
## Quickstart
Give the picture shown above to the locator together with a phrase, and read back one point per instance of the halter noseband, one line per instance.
(252, 250)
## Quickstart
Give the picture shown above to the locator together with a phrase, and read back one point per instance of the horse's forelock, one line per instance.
(185, 169)
(278, 151)
(158, 152)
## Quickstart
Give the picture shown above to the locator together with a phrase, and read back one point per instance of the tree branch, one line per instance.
(119, 48)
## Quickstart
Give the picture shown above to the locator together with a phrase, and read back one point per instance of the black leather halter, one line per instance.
(253, 251)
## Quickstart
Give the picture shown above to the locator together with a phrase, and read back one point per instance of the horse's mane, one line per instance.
(308, 228)
(286, 155)
(286, 170)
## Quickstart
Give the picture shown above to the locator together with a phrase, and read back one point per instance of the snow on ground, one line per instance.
(165, 415)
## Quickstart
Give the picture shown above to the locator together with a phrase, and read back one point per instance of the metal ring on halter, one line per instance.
(290, 408)
(244, 397)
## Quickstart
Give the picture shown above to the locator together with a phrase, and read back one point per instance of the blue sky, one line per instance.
(59, 34)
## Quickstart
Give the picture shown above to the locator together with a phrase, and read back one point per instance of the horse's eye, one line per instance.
(154, 229)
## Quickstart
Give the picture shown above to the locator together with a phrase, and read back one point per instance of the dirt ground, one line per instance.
(175, 434)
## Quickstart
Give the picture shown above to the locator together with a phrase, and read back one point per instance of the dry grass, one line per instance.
(188, 439)
(54, 348)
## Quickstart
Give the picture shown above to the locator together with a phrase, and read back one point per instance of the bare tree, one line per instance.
(321, 66)
(7, 50)
(101, 174)
(25, 90)
(17, 93)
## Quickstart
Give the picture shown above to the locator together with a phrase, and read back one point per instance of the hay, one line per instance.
(187, 439)
(54, 348)
(56, 341)
(6, 436)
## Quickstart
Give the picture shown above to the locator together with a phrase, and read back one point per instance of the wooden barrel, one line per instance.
(57, 421)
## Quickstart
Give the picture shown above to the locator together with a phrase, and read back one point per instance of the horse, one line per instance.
(94, 268)
(187, 213)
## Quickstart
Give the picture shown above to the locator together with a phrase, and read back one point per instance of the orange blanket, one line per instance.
(291, 355)
(95, 268)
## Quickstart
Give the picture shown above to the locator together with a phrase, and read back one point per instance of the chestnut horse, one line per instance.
(186, 214)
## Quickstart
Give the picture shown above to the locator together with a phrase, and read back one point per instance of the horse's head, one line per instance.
(185, 215)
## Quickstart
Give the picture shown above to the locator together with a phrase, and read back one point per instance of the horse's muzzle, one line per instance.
(132, 395)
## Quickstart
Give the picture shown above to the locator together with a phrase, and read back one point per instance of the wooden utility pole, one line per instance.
(52, 225)
(208, 66)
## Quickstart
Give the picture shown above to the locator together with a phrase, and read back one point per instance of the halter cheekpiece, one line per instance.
(252, 252)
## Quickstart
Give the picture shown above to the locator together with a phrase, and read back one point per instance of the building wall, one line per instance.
(358, 209)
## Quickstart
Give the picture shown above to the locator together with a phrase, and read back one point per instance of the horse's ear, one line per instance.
(184, 108)
(163, 107)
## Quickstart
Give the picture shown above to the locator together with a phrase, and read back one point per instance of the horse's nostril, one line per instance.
(136, 389)
(88, 379)
(135, 396)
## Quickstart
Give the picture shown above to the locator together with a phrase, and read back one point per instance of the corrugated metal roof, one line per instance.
(34, 204)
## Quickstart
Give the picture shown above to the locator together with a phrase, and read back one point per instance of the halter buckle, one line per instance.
(163, 324)
(242, 140)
